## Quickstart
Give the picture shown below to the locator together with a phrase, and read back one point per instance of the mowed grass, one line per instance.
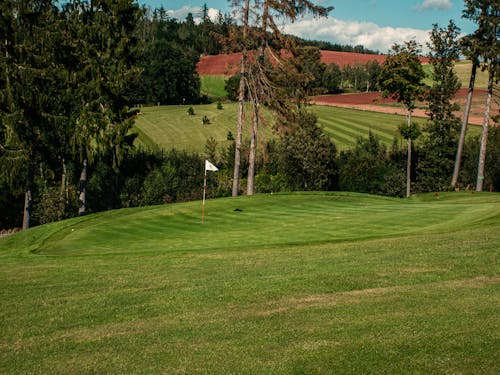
(171, 127)
(213, 86)
(290, 283)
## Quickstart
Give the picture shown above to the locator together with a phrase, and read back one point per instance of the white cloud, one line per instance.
(182, 13)
(368, 34)
(433, 4)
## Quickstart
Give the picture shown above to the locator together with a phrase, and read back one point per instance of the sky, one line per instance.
(375, 24)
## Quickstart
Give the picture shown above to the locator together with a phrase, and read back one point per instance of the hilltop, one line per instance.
(227, 64)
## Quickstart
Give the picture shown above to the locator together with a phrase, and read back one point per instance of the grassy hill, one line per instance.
(289, 283)
(213, 85)
(171, 126)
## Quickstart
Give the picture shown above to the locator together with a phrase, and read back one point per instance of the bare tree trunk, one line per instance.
(484, 136)
(64, 183)
(253, 150)
(83, 186)
(27, 209)
(408, 160)
(256, 102)
(241, 102)
(465, 121)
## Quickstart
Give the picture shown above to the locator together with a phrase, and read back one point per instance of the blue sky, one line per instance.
(376, 24)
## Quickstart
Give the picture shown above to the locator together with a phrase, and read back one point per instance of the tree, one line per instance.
(30, 85)
(401, 78)
(308, 155)
(241, 100)
(438, 148)
(332, 79)
(489, 50)
(261, 89)
(109, 52)
(472, 46)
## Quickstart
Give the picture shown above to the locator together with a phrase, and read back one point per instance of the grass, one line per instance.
(171, 127)
(213, 86)
(292, 283)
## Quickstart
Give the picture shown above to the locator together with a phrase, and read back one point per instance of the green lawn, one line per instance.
(290, 283)
(213, 86)
(171, 126)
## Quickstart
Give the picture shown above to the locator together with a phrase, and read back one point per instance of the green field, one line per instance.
(289, 283)
(171, 126)
(213, 86)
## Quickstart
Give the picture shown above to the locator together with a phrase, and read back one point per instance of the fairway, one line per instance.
(278, 283)
(171, 127)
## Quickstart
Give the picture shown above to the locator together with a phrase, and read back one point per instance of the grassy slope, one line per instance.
(305, 283)
(171, 126)
(213, 86)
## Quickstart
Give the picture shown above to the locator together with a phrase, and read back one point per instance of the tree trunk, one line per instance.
(253, 150)
(408, 161)
(484, 136)
(27, 209)
(83, 186)
(465, 120)
(64, 182)
(241, 102)
(256, 102)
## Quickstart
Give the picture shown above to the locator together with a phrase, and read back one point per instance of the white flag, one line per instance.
(210, 167)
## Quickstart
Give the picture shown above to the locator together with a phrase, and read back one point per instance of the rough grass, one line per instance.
(293, 283)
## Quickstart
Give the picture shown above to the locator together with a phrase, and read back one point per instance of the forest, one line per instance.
(73, 77)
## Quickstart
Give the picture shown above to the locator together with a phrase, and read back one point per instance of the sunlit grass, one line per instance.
(288, 283)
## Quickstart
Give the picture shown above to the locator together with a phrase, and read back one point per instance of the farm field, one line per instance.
(220, 66)
(288, 283)
(171, 126)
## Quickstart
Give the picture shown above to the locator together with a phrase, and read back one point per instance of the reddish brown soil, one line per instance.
(227, 64)
(372, 102)
(216, 65)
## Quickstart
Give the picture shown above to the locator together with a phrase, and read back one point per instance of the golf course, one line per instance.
(279, 283)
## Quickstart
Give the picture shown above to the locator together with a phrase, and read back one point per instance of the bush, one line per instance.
(191, 111)
(205, 120)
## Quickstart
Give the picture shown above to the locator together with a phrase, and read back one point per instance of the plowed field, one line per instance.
(227, 64)
(373, 101)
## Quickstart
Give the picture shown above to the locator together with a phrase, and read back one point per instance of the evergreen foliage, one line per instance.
(437, 151)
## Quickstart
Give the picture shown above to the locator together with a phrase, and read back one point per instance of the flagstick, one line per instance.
(204, 193)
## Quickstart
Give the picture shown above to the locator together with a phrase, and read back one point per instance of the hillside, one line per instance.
(171, 127)
(227, 64)
(287, 283)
